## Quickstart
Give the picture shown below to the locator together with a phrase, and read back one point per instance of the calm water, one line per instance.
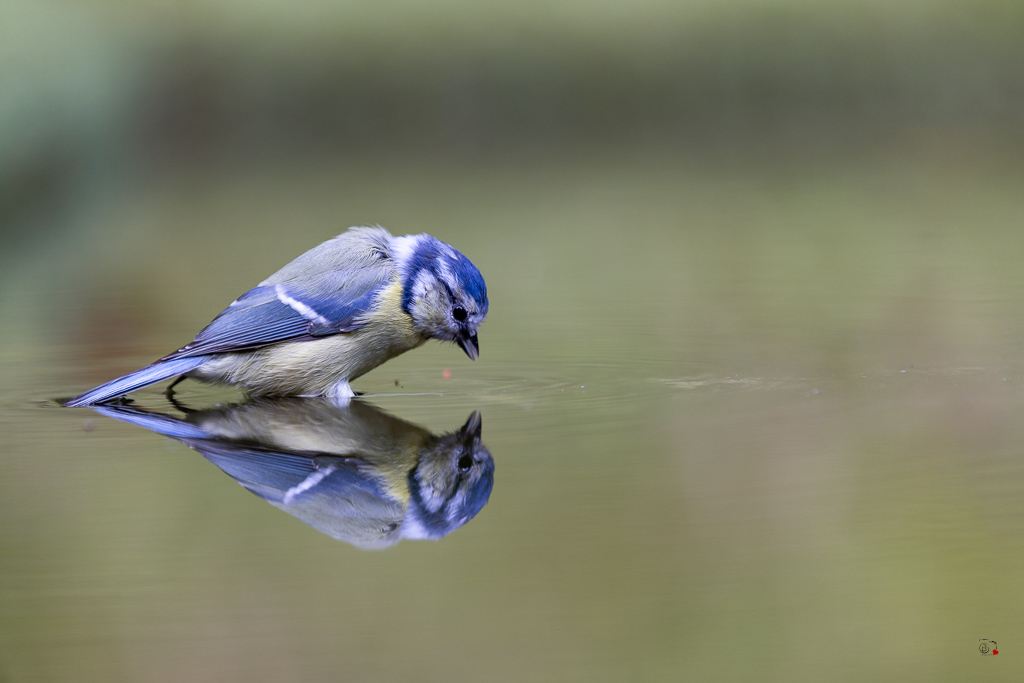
(746, 424)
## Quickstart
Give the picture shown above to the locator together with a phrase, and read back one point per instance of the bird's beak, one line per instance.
(470, 345)
(473, 426)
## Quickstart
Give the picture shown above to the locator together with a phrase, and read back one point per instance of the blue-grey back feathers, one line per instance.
(325, 291)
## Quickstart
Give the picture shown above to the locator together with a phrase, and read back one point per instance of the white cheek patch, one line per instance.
(299, 307)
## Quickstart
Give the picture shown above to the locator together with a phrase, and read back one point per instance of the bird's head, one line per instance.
(442, 290)
(451, 482)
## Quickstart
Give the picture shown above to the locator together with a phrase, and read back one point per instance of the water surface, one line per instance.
(747, 423)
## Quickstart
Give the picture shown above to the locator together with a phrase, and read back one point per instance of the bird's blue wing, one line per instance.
(322, 304)
(335, 301)
(280, 475)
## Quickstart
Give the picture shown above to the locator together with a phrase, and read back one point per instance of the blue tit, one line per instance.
(352, 472)
(331, 315)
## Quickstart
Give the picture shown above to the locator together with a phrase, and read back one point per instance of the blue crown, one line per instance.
(430, 254)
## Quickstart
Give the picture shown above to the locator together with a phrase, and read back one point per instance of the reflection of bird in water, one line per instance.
(353, 472)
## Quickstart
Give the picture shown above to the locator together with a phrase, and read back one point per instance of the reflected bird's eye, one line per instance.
(465, 462)
(459, 313)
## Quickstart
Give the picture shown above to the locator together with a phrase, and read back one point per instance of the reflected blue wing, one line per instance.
(273, 474)
(334, 495)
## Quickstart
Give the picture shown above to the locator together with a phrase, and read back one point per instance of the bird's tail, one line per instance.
(150, 374)
(157, 422)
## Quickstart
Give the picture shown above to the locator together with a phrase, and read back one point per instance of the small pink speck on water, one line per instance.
(447, 374)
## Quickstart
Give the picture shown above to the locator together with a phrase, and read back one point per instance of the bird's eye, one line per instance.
(465, 462)
(459, 313)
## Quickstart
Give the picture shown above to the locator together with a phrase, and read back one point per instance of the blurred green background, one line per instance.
(751, 376)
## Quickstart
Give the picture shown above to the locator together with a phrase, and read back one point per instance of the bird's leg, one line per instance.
(179, 406)
(169, 391)
(169, 394)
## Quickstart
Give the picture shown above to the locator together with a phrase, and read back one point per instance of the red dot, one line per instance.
(447, 374)
(995, 652)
